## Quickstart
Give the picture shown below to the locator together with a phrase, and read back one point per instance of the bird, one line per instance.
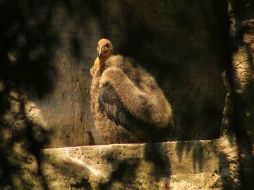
(127, 104)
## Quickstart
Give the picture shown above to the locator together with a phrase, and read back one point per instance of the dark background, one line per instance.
(47, 48)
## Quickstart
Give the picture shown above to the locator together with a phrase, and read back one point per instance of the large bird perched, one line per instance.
(127, 103)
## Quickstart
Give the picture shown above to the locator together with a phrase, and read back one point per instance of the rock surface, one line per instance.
(209, 164)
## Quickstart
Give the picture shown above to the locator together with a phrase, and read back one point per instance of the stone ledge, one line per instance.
(202, 164)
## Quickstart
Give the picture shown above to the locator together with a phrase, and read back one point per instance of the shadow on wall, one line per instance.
(21, 142)
(242, 77)
(158, 166)
(26, 48)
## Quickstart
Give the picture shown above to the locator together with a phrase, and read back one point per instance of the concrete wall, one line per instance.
(210, 164)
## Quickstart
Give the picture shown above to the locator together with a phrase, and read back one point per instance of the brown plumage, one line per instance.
(127, 103)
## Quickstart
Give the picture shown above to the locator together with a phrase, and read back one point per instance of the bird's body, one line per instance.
(127, 103)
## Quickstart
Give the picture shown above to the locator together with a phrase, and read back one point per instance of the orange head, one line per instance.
(104, 49)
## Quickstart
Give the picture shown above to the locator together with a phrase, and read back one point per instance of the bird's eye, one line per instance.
(107, 46)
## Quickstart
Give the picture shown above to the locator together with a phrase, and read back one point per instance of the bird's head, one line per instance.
(104, 49)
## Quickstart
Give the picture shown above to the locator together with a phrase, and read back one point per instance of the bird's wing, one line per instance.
(111, 104)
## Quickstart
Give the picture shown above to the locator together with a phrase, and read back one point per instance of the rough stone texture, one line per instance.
(242, 37)
(23, 133)
(243, 71)
(241, 30)
(208, 164)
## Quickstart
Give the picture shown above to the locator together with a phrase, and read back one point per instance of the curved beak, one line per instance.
(99, 51)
